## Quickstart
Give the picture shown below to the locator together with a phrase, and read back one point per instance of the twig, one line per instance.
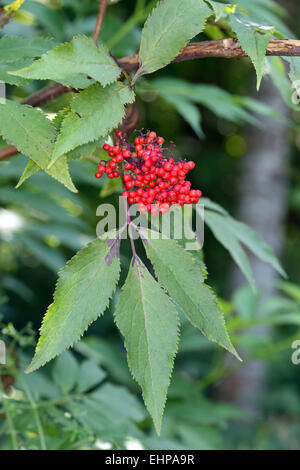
(224, 48)
(7, 152)
(228, 48)
(49, 93)
(100, 18)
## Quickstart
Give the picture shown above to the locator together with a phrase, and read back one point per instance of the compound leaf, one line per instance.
(149, 323)
(83, 290)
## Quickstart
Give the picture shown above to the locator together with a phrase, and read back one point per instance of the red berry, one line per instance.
(126, 154)
(152, 135)
(155, 181)
(116, 150)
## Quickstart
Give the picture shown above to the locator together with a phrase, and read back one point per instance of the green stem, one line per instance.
(139, 16)
(57, 402)
(35, 413)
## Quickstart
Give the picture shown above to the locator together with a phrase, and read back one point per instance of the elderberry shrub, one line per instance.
(150, 178)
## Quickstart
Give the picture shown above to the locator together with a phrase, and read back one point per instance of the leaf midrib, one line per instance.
(147, 338)
(197, 308)
(91, 281)
(27, 133)
(165, 31)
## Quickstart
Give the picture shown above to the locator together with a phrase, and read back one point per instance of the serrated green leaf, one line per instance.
(168, 29)
(294, 72)
(255, 243)
(292, 290)
(80, 56)
(65, 371)
(34, 135)
(149, 323)
(219, 226)
(84, 150)
(83, 290)
(59, 171)
(15, 48)
(179, 273)
(266, 11)
(209, 204)
(294, 75)
(277, 74)
(254, 39)
(90, 375)
(216, 217)
(29, 130)
(188, 111)
(219, 101)
(10, 79)
(95, 112)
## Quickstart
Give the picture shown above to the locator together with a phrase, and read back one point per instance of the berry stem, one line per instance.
(130, 233)
(128, 220)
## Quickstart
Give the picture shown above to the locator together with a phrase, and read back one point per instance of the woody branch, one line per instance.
(224, 48)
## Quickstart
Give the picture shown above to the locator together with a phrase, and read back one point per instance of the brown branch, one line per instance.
(100, 18)
(46, 94)
(224, 48)
(7, 152)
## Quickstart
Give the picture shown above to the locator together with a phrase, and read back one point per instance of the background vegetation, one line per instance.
(86, 398)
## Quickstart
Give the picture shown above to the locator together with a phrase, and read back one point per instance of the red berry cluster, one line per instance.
(150, 178)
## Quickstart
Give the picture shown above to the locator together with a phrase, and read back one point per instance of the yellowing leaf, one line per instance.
(14, 6)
